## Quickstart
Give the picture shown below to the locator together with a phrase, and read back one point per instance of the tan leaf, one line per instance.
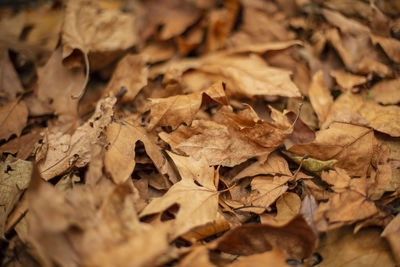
(320, 97)
(347, 80)
(15, 175)
(131, 74)
(244, 75)
(386, 91)
(57, 85)
(295, 239)
(342, 247)
(270, 258)
(357, 109)
(288, 206)
(197, 184)
(62, 151)
(392, 234)
(10, 85)
(119, 159)
(174, 110)
(13, 118)
(220, 144)
(391, 46)
(198, 257)
(350, 145)
(83, 29)
(24, 145)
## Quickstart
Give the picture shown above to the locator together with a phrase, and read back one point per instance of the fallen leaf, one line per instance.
(320, 97)
(10, 85)
(62, 151)
(347, 80)
(386, 91)
(392, 235)
(220, 144)
(270, 258)
(349, 204)
(196, 185)
(131, 74)
(288, 206)
(57, 85)
(119, 159)
(357, 109)
(174, 110)
(13, 118)
(350, 145)
(83, 29)
(342, 247)
(15, 175)
(389, 45)
(22, 146)
(198, 257)
(296, 240)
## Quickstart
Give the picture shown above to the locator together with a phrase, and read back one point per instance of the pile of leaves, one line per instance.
(200, 133)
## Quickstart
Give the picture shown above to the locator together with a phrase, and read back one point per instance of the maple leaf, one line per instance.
(197, 184)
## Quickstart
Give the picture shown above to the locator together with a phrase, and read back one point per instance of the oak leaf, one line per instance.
(197, 184)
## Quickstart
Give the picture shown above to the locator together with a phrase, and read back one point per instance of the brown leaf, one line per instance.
(131, 73)
(57, 85)
(295, 239)
(392, 234)
(347, 80)
(288, 206)
(357, 109)
(320, 97)
(342, 247)
(22, 146)
(391, 46)
(198, 257)
(270, 258)
(62, 151)
(13, 118)
(83, 29)
(350, 202)
(174, 110)
(220, 144)
(197, 184)
(15, 175)
(119, 159)
(351, 145)
(10, 85)
(244, 75)
(386, 91)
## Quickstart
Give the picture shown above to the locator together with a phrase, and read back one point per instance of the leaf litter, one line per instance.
(200, 133)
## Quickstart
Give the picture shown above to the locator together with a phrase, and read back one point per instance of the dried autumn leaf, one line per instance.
(15, 175)
(119, 159)
(10, 85)
(357, 109)
(386, 91)
(391, 46)
(85, 30)
(174, 110)
(295, 239)
(131, 73)
(392, 234)
(22, 146)
(62, 151)
(320, 97)
(347, 80)
(197, 184)
(198, 257)
(243, 136)
(349, 204)
(288, 206)
(270, 258)
(57, 85)
(244, 75)
(350, 145)
(342, 247)
(13, 118)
